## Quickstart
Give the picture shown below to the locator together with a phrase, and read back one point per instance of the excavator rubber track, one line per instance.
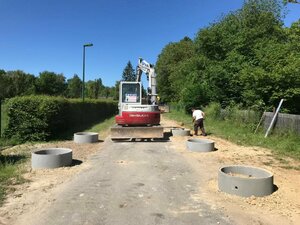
(142, 132)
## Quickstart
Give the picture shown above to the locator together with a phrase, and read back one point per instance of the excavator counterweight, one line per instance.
(120, 132)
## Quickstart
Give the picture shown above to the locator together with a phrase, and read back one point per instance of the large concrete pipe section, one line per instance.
(245, 181)
(200, 145)
(180, 132)
(85, 137)
(51, 158)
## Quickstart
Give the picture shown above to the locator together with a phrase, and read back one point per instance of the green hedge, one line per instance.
(3, 117)
(40, 118)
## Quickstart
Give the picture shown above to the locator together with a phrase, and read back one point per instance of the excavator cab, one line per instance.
(130, 93)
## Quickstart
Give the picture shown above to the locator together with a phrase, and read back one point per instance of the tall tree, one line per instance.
(94, 88)
(50, 83)
(247, 57)
(3, 85)
(291, 1)
(117, 90)
(14, 83)
(98, 87)
(21, 83)
(74, 87)
(128, 73)
(275, 7)
(108, 92)
(234, 44)
(168, 81)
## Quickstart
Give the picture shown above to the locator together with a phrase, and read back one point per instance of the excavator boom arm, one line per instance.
(148, 69)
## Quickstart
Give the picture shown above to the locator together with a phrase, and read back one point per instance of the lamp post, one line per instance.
(83, 83)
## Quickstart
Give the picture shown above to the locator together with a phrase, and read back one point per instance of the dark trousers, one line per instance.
(199, 123)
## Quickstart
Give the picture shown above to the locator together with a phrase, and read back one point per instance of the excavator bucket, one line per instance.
(119, 132)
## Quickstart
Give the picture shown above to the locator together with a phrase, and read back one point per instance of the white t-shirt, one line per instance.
(197, 114)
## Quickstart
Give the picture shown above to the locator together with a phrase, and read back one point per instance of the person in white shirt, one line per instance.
(198, 116)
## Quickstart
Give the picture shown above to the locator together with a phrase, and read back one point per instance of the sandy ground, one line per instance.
(282, 207)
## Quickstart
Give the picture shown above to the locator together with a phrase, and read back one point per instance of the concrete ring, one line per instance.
(51, 158)
(245, 181)
(200, 145)
(180, 132)
(85, 137)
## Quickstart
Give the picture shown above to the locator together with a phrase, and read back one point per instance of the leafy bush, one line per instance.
(177, 106)
(234, 114)
(194, 95)
(213, 110)
(3, 116)
(40, 118)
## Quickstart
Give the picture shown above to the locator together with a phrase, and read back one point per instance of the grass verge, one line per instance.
(103, 127)
(281, 145)
(10, 173)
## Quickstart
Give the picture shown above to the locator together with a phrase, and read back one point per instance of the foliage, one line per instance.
(291, 1)
(95, 89)
(117, 90)
(18, 83)
(128, 73)
(247, 58)
(194, 95)
(213, 111)
(50, 83)
(14, 83)
(276, 7)
(39, 118)
(74, 87)
(168, 63)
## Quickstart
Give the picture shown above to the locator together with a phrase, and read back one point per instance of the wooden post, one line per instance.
(274, 118)
(262, 116)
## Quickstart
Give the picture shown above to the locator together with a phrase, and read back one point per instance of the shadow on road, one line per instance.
(166, 138)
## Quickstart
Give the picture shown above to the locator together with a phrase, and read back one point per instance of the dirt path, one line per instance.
(32, 199)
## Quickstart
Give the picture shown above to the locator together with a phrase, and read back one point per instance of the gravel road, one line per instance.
(132, 183)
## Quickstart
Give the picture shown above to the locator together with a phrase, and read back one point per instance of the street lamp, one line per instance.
(83, 84)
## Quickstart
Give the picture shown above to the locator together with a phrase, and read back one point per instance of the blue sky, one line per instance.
(39, 35)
